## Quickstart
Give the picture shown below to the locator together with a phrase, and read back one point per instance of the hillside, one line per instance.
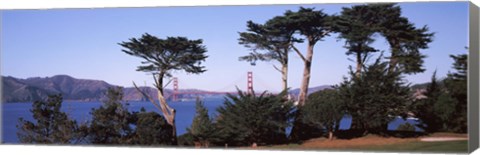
(73, 89)
(38, 88)
(310, 90)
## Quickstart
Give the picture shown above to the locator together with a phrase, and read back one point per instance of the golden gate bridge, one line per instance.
(177, 93)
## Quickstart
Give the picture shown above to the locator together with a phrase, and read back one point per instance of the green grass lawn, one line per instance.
(434, 147)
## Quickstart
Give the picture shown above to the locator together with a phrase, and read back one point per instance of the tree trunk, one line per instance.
(285, 77)
(167, 111)
(285, 70)
(395, 47)
(393, 63)
(359, 64)
(302, 97)
(330, 135)
(174, 130)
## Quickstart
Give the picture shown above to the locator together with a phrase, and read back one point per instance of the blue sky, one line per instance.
(83, 43)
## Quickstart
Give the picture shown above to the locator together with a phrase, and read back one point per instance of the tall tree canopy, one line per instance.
(313, 26)
(161, 57)
(273, 38)
(404, 38)
(357, 25)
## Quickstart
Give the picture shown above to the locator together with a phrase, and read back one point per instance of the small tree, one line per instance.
(51, 126)
(375, 98)
(161, 57)
(427, 109)
(111, 122)
(248, 119)
(324, 109)
(456, 84)
(202, 128)
(151, 129)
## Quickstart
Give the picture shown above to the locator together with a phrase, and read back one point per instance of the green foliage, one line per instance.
(460, 66)
(324, 109)
(151, 129)
(274, 38)
(375, 97)
(111, 122)
(357, 27)
(446, 112)
(161, 58)
(202, 128)
(312, 24)
(406, 127)
(164, 55)
(445, 108)
(404, 38)
(246, 119)
(51, 126)
(456, 84)
(185, 140)
(428, 110)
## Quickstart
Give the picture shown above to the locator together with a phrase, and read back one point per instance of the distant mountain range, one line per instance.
(311, 90)
(38, 88)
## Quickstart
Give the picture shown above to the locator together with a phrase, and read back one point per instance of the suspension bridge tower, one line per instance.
(250, 82)
(175, 89)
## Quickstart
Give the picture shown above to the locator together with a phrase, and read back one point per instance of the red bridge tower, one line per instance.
(175, 88)
(250, 82)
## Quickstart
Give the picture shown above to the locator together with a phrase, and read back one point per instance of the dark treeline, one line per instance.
(373, 93)
(111, 124)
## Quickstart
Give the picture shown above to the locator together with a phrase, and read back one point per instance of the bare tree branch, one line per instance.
(164, 110)
(155, 80)
(169, 81)
(299, 53)
(276, 68)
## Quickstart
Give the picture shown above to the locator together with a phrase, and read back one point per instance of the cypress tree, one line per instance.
(324, 110)
(111, 123)
(375, 98)
(161, 57)
(248, 119)
(429, 110)
(51, 125)
(271, 41)
(151, 129)
(456, 84)
(202, 128)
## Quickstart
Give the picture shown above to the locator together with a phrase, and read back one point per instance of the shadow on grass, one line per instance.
(350, 134)
(418, 146)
